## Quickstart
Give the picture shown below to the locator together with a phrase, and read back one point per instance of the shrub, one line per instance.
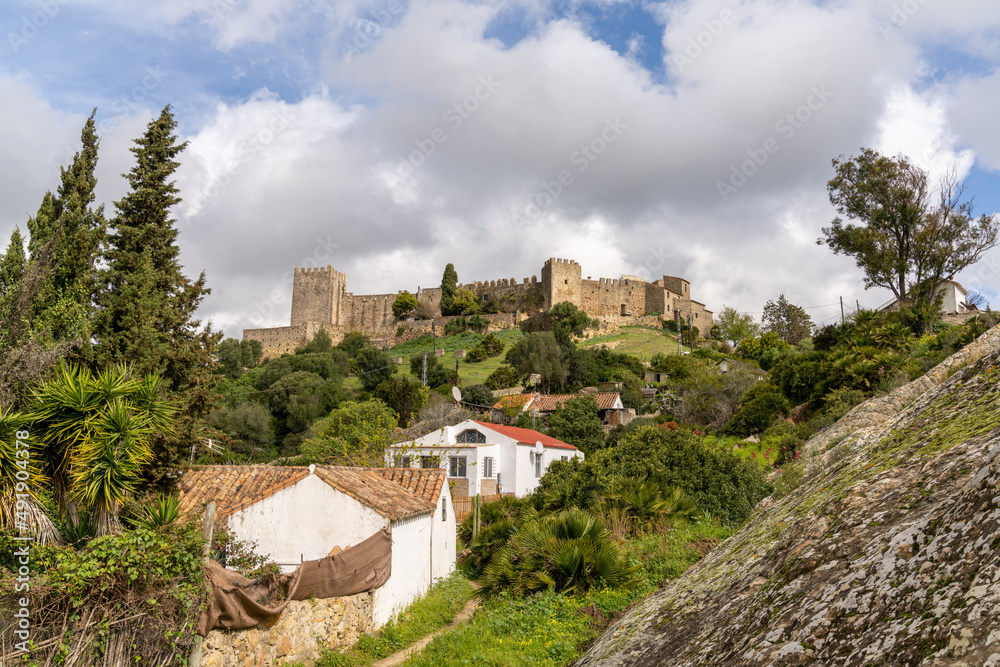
(503, 377)
(478, 394)
(404, 395)
(759, 407)
(476, 355)
(456, 326)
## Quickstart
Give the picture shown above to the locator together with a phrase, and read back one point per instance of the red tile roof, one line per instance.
(424, 483)
(236, 487)
(549, 402)
(526, 436)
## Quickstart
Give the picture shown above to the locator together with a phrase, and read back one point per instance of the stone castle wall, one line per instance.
(320, 298)
(302, 630)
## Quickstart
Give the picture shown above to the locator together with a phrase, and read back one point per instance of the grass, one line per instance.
(435, 610)
(468, 373)
(639, 341)
(551, 629)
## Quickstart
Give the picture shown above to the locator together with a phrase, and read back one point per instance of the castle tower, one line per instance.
(678, 286)
(316, 295)
(561, 281)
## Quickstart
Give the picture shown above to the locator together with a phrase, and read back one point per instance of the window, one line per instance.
(403, 461)
(471, 435)
(488, 467)
(431, 461)
(456, 466)
(444, 510)
(538, 464)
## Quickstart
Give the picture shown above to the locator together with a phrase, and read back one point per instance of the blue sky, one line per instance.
(310, 125)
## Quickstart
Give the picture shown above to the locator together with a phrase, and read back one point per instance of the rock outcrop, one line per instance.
(888, 553)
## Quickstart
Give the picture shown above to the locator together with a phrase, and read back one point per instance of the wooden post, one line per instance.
(206, 533)
(475, 515)
(841, 311)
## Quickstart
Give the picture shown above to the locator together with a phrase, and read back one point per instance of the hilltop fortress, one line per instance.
(320, 299)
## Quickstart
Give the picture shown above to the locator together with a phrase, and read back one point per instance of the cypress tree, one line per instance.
(11, 268)
(449, 285)
(147, 305)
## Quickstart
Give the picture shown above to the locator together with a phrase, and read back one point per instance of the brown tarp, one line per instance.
(233, 605)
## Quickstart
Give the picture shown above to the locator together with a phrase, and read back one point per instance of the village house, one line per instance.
(484, 458)
(609, 406)
(952, 295)
(295, 514)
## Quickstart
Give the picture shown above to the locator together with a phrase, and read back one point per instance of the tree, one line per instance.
(734, 326)
(320, 343)
(147, 305)
(404, 395)
(904, 239)
(449, 286)
(538, 352)
(356, 434)
(577, 422)
(374, 366)
(404, 304)
(789, 322)
(353, 343)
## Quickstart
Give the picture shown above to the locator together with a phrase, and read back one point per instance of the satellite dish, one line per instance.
(539, 447)
(456, 393)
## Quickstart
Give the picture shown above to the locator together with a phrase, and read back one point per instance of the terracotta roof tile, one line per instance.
(526, 436)
(549, 402)
(236, 487)
(422, 482)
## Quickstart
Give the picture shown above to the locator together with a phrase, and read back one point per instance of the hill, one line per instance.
(885, 554)
(638, 341)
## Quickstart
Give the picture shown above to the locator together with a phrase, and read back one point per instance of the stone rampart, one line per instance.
(302, 630)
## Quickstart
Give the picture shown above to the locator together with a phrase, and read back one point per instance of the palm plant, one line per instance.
(569, 552)
(647, 505)
(161, 512)
(21, 479)
(96, 432)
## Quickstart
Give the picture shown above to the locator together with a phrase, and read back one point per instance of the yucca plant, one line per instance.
(21, 480)
(95, 432)
(160, 512)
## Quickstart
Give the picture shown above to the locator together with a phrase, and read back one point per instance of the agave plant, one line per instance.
(96, 432)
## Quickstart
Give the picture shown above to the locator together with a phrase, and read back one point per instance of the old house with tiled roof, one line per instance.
(484, 458)
(296, 514)
(610, 408)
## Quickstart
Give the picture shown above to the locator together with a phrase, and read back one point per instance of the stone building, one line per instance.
(320, 299)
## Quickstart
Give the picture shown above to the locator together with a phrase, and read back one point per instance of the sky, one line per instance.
(389, 138)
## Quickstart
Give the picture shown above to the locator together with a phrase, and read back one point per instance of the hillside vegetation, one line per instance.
(885, 553)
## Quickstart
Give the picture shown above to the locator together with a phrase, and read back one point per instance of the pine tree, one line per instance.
(147, 304)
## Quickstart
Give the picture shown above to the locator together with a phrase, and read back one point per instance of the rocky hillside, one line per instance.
(889, 552)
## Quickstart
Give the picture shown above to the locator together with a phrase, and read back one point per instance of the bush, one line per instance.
(404, 395)
(760, 406)
(503, 377)
(479, 395)
(437, 374)
(476, 355)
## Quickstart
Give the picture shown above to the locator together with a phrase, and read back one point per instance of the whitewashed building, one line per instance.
(484, 458)
(952, 295)
(296, 514)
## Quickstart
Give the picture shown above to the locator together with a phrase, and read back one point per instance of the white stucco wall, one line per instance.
(304, 522)
(444, 535)
(411, 568)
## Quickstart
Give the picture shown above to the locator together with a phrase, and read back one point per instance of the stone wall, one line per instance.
(612, 296)
(316, 295)
(297, 635)
(560, 282)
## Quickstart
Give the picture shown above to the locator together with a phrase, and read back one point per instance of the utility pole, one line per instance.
(677, 326)
(841, 311)
(423, 375)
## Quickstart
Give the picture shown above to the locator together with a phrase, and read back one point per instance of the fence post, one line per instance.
(206, 533)
(476, 504)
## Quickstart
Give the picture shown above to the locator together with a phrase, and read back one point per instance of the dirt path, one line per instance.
(399, 656)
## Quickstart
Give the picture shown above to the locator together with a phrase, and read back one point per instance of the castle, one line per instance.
(320, 300)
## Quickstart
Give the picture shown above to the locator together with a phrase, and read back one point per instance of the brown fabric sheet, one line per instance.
(232, 605)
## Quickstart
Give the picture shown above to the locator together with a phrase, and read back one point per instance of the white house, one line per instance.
(296, 514)
(484, 458)
(953, 299)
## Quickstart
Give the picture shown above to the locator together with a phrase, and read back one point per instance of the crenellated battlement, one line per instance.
(320, 298)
